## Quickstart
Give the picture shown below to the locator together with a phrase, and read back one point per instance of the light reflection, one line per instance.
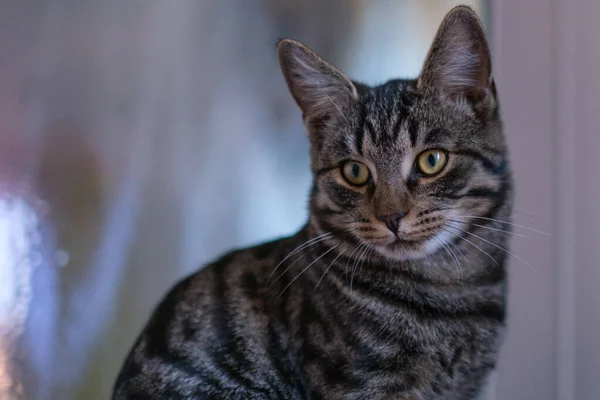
(61, 258)
(18, 239)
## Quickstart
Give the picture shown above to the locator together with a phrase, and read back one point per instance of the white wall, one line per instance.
(546, 60)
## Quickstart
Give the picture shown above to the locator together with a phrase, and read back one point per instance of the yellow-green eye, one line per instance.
(431, 162)
(356, 173)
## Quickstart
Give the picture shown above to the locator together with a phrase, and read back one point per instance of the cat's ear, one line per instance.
(320, 90)
(459, 63)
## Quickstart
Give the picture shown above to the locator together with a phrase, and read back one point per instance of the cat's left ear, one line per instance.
(320, 90)
(459, 64)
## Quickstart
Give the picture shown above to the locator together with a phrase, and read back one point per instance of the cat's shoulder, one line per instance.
(245, 268)
(188, 339)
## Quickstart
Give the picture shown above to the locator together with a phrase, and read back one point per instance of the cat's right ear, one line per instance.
(320, 90)
(459, 61)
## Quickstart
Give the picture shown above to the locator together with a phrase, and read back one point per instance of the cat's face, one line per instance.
(403, 169)
(404, 166)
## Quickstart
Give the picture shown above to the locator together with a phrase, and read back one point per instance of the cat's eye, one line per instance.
(431, 162)
(355, 173)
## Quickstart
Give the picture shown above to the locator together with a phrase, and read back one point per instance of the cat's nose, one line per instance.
(393, 221)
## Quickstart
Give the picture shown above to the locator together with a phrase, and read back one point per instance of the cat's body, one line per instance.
(345, 309)
(222, 333)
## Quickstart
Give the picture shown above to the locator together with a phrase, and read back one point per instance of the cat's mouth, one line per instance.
(405, 244)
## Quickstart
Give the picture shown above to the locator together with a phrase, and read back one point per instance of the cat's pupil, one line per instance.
(431, 160)
(355, 170)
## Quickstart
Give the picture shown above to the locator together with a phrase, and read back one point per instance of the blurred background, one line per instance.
(141, 139)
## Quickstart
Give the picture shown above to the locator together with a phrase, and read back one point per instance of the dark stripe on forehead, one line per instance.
(388, 106)
(413, 130)
(405, 103)
(396, 127)
(403, 111)
(360, 132)
(370, 129)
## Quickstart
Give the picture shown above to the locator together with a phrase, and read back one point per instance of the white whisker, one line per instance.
(473, 244)
(305, 269)
(367, 256)
(289, 267)
(330, 265)
(457, 247)
(499, 247)
(308, 243)
(452, 255)
(528, 215)
(350, 259)
(356, 264)
(490, 228)
(506, 222)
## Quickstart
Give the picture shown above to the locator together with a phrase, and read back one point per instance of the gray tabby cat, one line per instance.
(395, 288)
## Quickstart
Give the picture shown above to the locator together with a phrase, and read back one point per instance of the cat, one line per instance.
(396, 286)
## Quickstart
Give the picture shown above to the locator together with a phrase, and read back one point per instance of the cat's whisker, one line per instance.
(304, 245)
(365, 258)
(498, 247)
(356, 261)
(354, 267)
(329, 267)
(350, 259)
(473, 244)
(289, 267)
(458, 265)
(452, 255)
(528, 215)
(457, 247)
(506, 222)
(503, 221)
(369, 255)
(490, 228)
(306, 269)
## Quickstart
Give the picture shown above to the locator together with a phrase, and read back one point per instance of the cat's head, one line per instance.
(404, 166)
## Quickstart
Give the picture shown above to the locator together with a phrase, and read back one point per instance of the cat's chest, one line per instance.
(417, 363)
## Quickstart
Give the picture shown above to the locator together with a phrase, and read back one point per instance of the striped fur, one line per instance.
(347, 309)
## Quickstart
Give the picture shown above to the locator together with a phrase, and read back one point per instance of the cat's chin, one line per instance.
(400, 250)
(400, 255)
(405, 250)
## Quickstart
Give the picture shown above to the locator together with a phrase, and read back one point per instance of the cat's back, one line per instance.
(216, 333)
